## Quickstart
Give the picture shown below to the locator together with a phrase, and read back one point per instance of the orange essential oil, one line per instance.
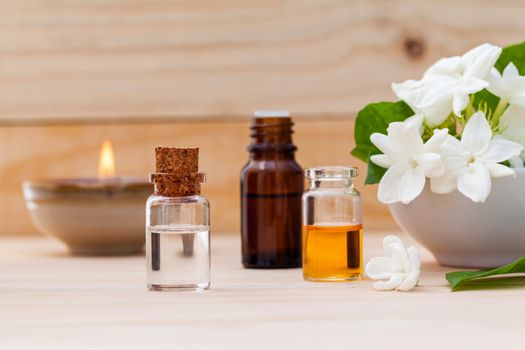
(332, 235)
(332, 253)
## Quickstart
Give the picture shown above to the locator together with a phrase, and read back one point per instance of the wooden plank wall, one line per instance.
(165, 72)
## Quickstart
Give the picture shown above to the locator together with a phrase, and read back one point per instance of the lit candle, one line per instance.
(94, 216)
(106, 162)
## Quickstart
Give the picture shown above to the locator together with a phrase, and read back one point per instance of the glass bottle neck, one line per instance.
(331, 184)
(272, 155)
(272, 138)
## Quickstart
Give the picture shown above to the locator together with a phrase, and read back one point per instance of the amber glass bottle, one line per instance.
(271, 190)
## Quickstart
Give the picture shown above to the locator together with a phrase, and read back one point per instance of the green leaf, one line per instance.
(375, 118)
(461, 279)
(374, 172)
(498, 282)
(515, 54)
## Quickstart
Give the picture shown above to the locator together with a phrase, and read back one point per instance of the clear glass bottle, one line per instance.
(177, 224)
(332, 226)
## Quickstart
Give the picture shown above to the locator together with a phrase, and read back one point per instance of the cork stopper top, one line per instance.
(176, 160)
(177, 172)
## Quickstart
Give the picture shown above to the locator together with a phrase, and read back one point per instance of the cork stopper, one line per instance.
(177, 172)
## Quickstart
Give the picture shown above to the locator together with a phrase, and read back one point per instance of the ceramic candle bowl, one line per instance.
(462, 233)
(92, 217)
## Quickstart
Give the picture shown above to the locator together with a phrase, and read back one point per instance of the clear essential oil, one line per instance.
(178, 256)
(177, 223)
(332, 253)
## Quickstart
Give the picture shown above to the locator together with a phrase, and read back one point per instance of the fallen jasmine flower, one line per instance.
(399, 269)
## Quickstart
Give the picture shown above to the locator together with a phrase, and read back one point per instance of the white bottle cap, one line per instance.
(268, 113)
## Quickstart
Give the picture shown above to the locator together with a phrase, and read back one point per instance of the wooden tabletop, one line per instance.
(49, 299)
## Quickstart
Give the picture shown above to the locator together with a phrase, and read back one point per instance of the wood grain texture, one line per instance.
(73, 151)
(52, 301)
(89, 70)
(96, 59)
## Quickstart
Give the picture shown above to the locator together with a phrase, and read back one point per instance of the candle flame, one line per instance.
(106, 163)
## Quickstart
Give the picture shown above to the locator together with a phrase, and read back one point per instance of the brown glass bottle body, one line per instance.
(271, 189)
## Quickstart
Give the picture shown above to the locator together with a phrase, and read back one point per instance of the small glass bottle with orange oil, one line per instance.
(332, 226)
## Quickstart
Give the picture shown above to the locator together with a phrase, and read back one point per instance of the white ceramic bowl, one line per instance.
(92, 217)
(462, 233)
